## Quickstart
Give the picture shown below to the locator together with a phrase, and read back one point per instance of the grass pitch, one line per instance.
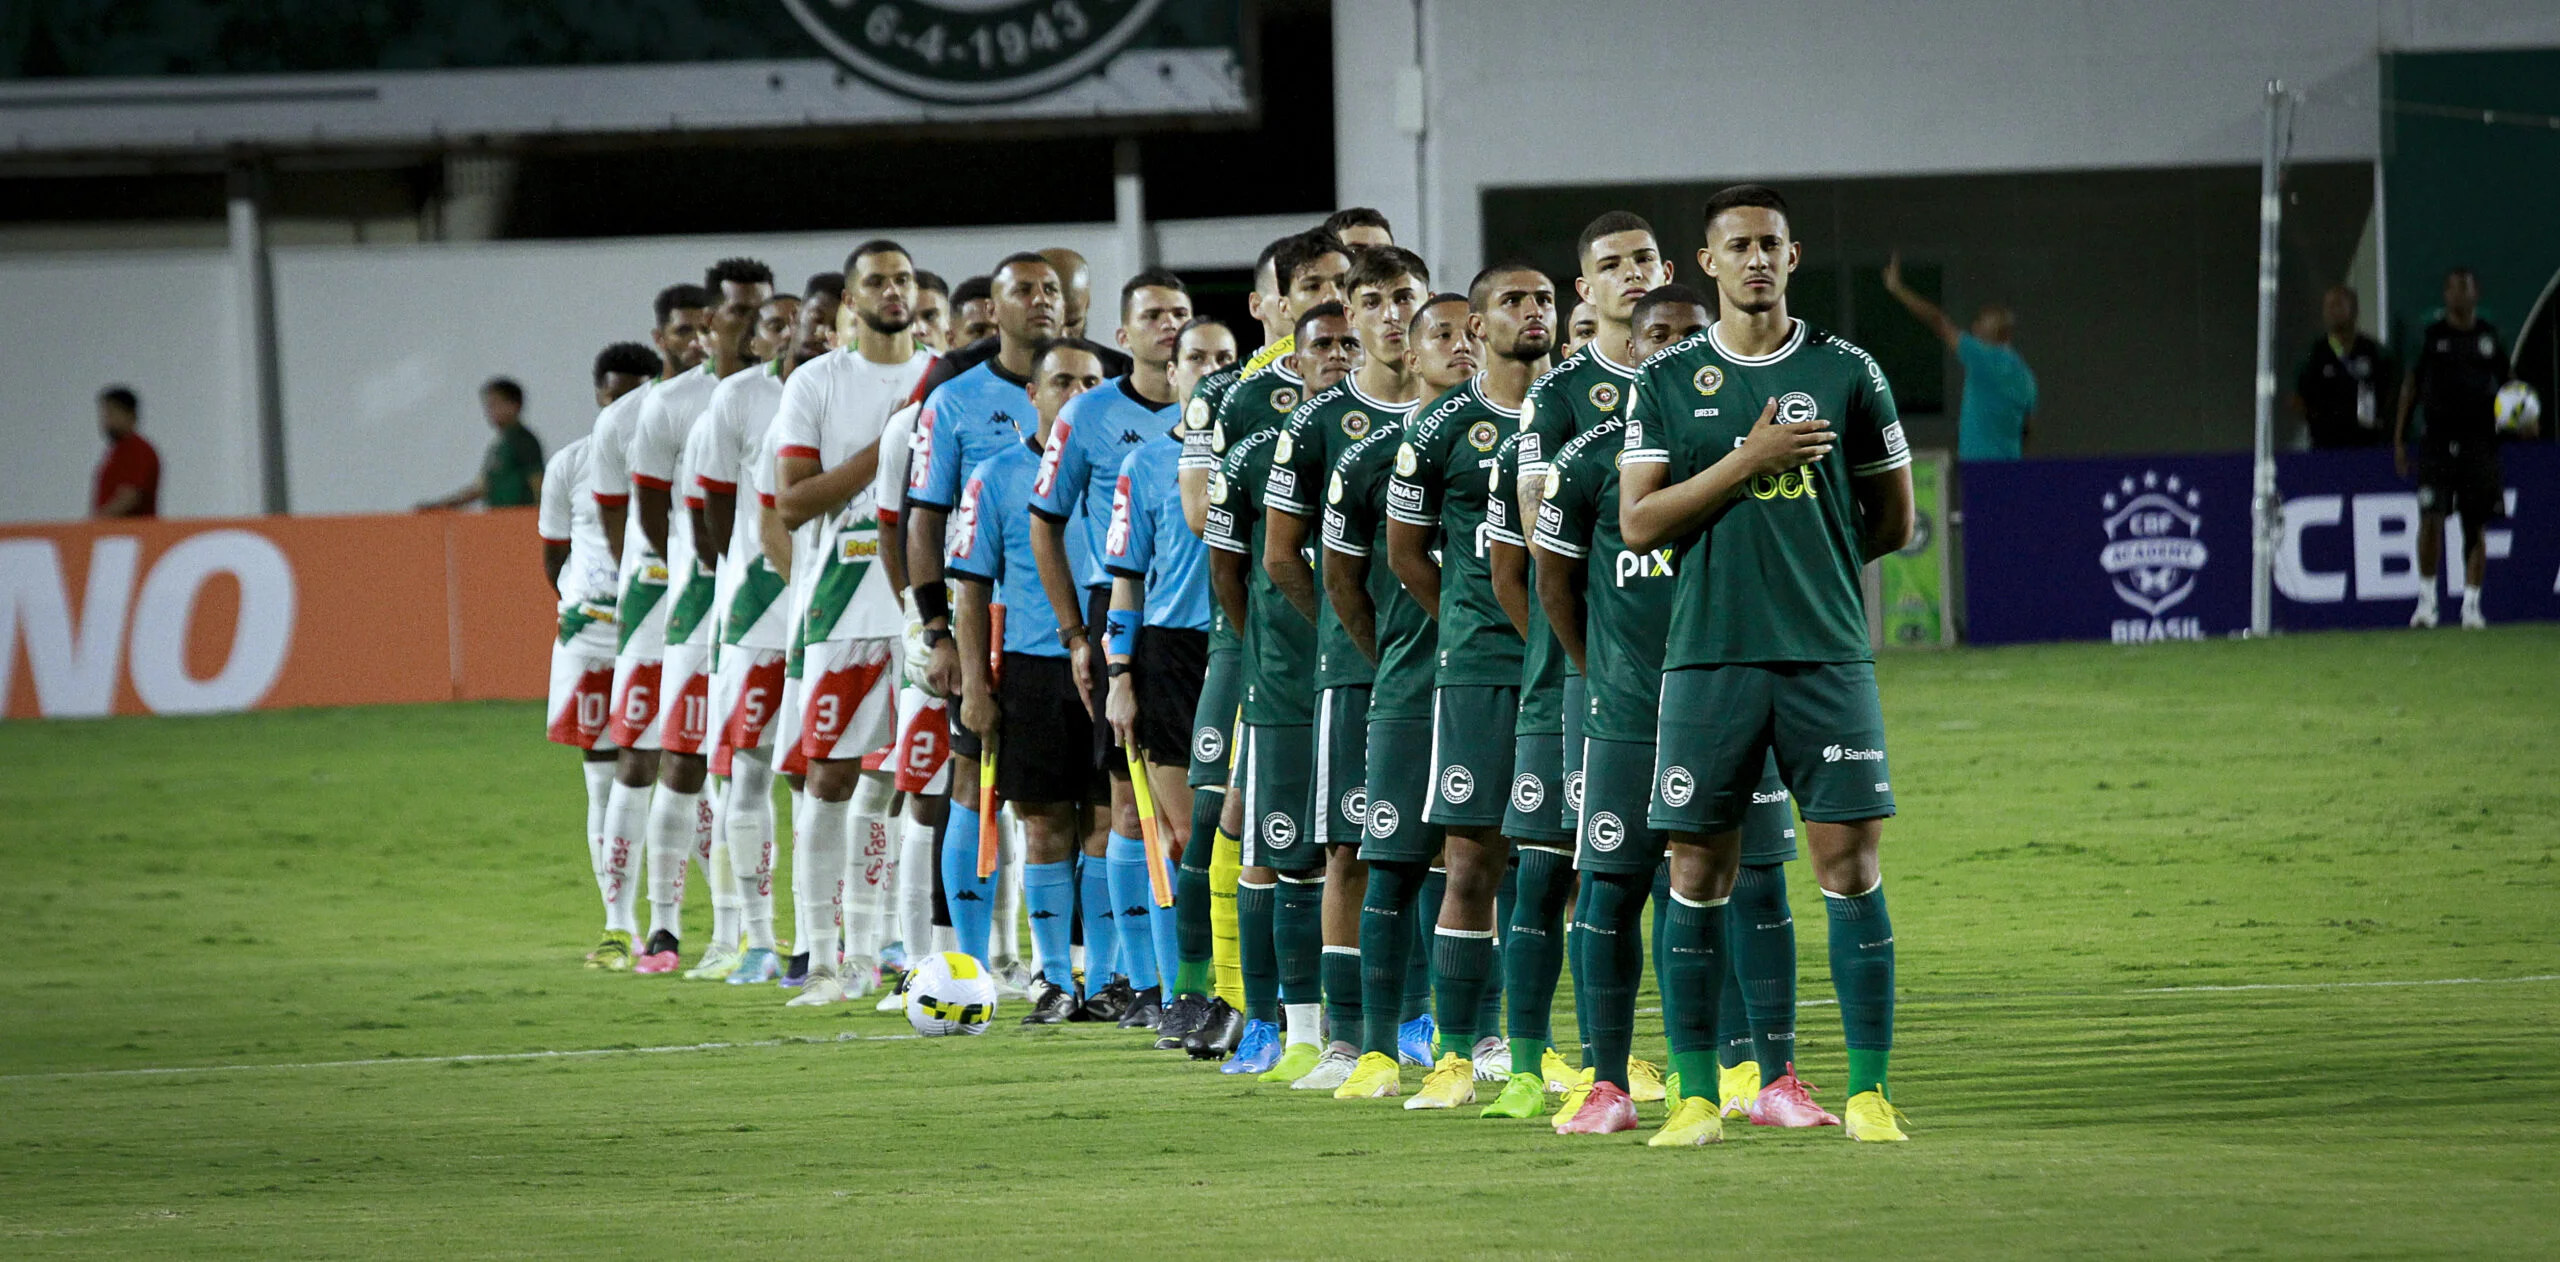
(2206, 949)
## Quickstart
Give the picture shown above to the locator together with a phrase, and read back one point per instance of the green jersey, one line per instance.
(1311, 444)
(1279, 642)
(1569, 399)
(1446, 474)
(1773, 576)
(1543, 664)
(1355, 524)
(1626, 596)
(1203, 444)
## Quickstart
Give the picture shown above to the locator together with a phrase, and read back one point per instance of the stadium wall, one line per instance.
(168, 617)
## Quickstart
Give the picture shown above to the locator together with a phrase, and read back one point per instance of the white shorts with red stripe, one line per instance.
(849, 697)
(582, 688)
(921, 755)
(786, 730)
(746, 699)
(684, 720)
(634, 724)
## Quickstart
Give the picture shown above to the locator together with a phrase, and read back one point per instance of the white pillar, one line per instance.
(254, 309)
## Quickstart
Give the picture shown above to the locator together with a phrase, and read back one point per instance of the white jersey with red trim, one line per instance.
(568, 515)
(833, 408)
(755, 609)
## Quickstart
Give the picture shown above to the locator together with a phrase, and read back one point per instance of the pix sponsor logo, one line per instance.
(1642, 565)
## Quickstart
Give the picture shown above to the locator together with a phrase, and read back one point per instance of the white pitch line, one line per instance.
(850, 1037)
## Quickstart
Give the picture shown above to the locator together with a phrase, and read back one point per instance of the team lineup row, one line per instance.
(1339, 698)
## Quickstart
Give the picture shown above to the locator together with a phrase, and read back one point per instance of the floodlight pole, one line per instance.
(2265, 508)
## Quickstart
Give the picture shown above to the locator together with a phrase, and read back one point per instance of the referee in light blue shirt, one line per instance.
(1999, 388)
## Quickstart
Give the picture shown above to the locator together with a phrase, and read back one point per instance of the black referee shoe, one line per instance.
(1180, 1018)
(1220, 1028)
(1146, 1010)
(1053, 1006)
(1108, 1004)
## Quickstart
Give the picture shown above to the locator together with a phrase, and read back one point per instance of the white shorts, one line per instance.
(746, 698)
(684, 720)
(921, 754)
(582, 688)
(786, 722)
(634, 724)
(849, 697)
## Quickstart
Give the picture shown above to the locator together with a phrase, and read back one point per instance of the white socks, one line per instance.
(866, 879)
(728, 907)
(747, 823)
(914, 885)
(599, 793)
(673, 824)
(817, 878)
(1306, 1023)
(626, 821)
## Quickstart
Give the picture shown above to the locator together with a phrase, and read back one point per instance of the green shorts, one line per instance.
(1575, 698)
(1399, 786)
(1537, 812)
(1471, 754)
(1277, 766)
(1221, 691)
(1617, 787)
(1721, 724)
(1342, 765)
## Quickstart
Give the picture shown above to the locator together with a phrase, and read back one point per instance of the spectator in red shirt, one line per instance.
(129, 478)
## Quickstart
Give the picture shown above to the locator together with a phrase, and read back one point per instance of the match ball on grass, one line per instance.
(2518, 408)
(949, 992)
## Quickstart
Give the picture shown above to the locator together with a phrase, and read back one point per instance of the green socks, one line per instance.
(1297, 935)
(1862, 975)
(1533, 951)
(1426, 914)
(1573, 945)
(1386, 950)
(1192, 940)
(1613, 965)
(1255, 953)
(1764, 960)
(1342, 995)
(1489, 1009)
(1461, 961)
(1692, 989)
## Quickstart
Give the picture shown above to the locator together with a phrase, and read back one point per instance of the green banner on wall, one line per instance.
(1911, 591)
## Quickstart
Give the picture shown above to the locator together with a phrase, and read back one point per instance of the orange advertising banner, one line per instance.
(209, 616)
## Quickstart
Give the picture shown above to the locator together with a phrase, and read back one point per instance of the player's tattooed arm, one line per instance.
(1651, 514)
(1283, 534)
(1346, 584)
(1409, 555)
(1560, 596)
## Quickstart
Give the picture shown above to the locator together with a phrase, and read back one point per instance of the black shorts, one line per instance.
(2466, 482)
(1106, 745)
(1167, 670)
(1042, 754)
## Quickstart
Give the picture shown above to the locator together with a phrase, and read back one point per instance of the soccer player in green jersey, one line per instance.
(1769, 521)
(1279, 895)
(1382, 623)
(1446, 476)
(1620, 260)
(1387, 286)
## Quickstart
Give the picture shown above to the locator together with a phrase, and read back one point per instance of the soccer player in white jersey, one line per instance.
(580, 566)
(920, 756)
(834, 409)
(638, 539)
(746, 641)
(662, 449)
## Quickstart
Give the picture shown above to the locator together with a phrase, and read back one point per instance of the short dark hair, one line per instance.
(2462, 269)
(1321, 311)
(1609, 224)
(674, 298)
(932, 282)
(1041, 352)
(1503, 267)
(1201, 322)
(1666, 295)
(1298, 251)
(1378, 264)
(1018, 257)
(1357, 217)
(1151, 278)
(630, 358)
(876, 245)
(1736, 196)
(974, 289)
(739, 271)
(1270, 256)
(830, 284)
(1442, 298)
(124, 397)
(504, 387)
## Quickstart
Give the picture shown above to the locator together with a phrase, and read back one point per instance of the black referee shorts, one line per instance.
(1168, 667)
(2467, 482)
(1043, 753)
(1106, 747)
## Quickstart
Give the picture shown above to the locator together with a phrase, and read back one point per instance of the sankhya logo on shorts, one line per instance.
(1208, 745)
(1607, 832)
(1382, 819)
(1355, 804)
(1678, 786)
(1841, 753)
(1279, 830)
(1528, 793)
(1573, 790)
(1457, 784)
